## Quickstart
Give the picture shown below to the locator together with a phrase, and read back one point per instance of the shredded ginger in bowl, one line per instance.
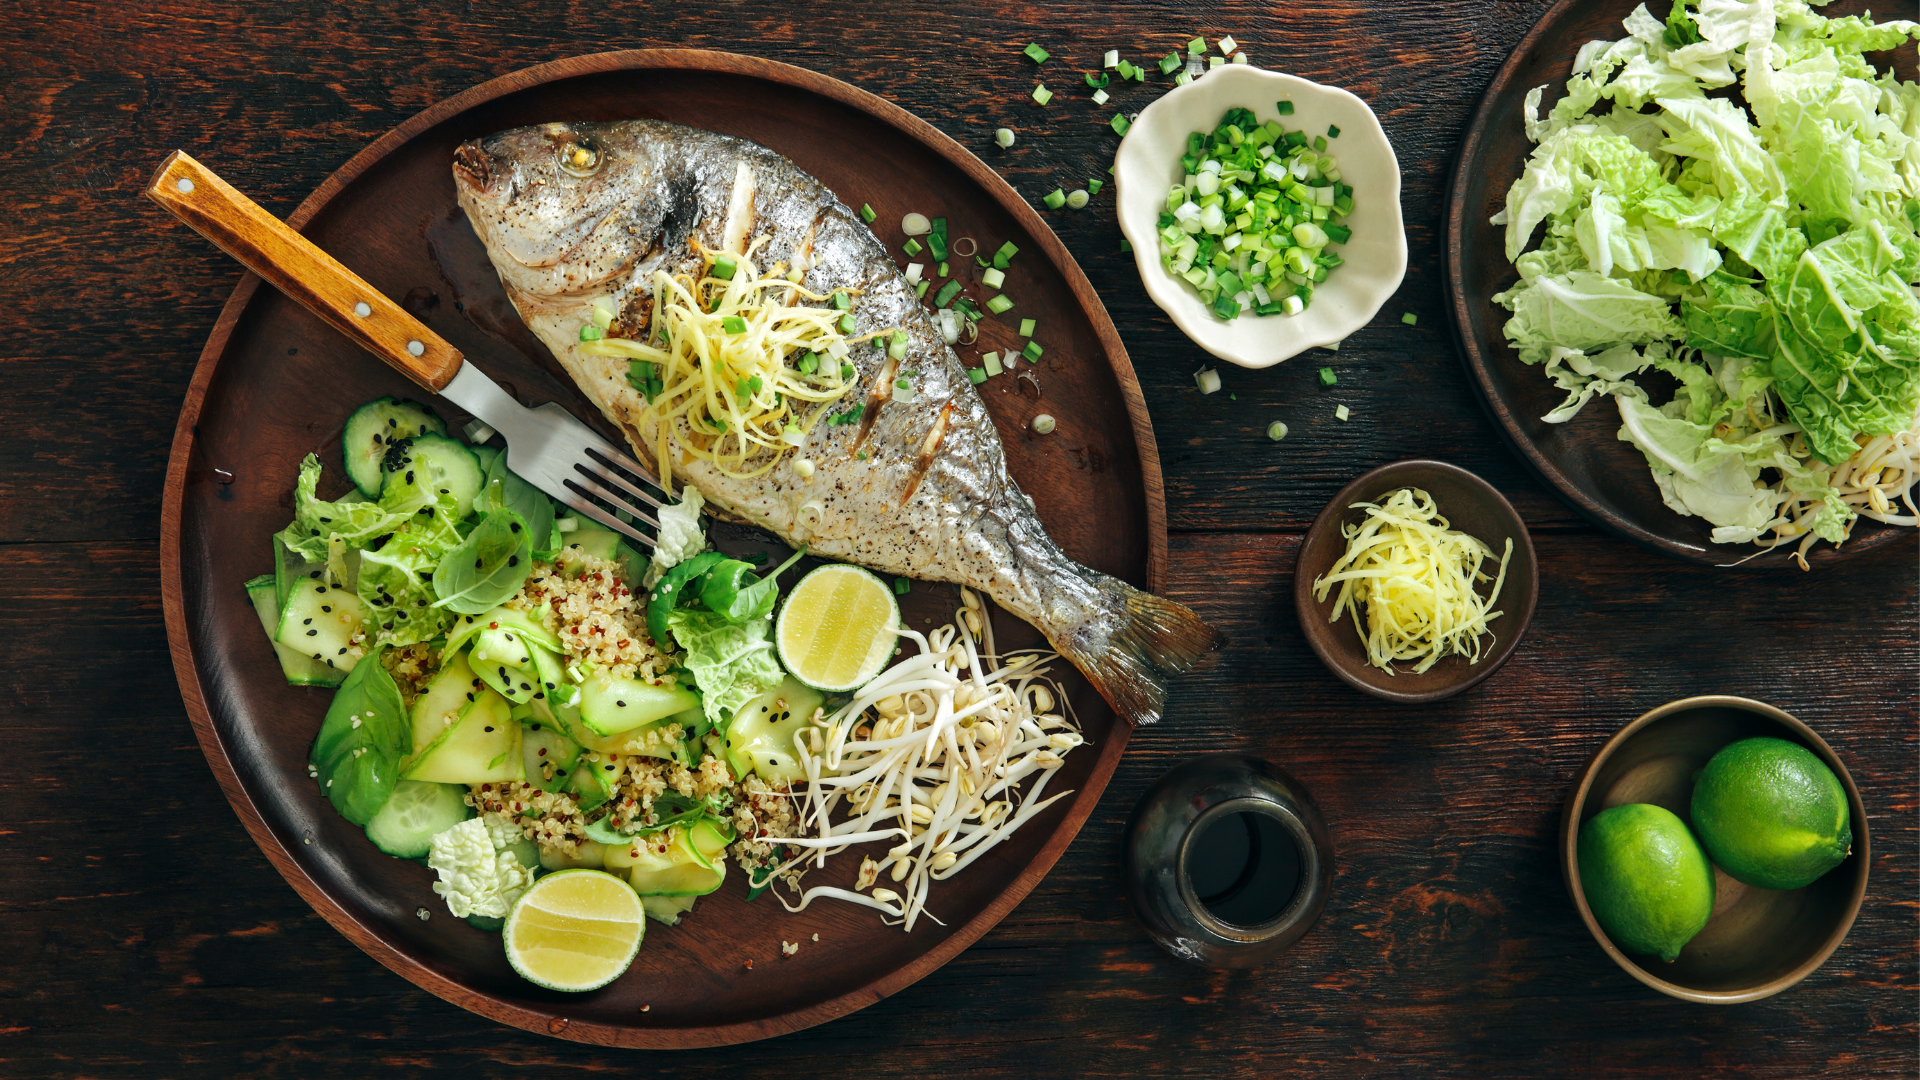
(1417, 577)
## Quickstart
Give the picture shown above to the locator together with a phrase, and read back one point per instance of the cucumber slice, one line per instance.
(482, 747)
(466, 627)
(691, 866)
(299, 668)
(584, 541)
(505, 662)
(320, 621)
(439, 466)
(667, 909)
(760, 738)
(609, 706)
(375, 426)
(417, 812)
(540, 746)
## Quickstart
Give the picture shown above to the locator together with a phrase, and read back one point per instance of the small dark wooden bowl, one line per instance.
(1473, 507)
(1606, 480)
(1759, 941)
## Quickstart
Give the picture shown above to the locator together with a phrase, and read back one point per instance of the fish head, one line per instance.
(554, 199)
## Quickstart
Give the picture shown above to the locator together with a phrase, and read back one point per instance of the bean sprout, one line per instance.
(942, 758)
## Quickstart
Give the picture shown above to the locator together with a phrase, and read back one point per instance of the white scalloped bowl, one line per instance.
(1376, 256)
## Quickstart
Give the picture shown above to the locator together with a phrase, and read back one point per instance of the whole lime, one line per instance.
(1771, 814)
(1646, 878)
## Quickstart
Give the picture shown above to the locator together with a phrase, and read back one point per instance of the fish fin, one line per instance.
(1131, 654)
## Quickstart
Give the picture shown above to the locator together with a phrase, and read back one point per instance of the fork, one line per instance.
(546, 446)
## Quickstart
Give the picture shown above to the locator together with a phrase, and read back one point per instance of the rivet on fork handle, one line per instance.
(291, 263)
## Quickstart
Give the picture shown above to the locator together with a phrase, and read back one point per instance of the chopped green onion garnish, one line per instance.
(1341, 412)
(846, 372)
(976, 376)
(1333, 131)
(1036, 53)
(1125, 245)
(809, 363)
(992, 362)
(903, 384)
(1119, 124)
(866, 213)
(999, 304)
(841, 301)
(1098, 80)
(912, 247)
(1196, 46)
(724, 267)
(1032, 351)
(1227, 45)
(937, 243)
(1112, 59)
(1094, 186)
(1055, 199)
(1339, 234)
(1284, 108)
(1182, 79)
(1026, 327)
(1099, 97)
(902, 586)
(1327, 377)
(734, 324)
(946, 294)
(1410, 318)
(1276, 431)
(1215, 61)
(1004, 137)
(1125, 69)
(1005, 255)
(994, 279)
(1041, 94)
(1169, 63)
(921, 289)
(590, 332)
(1077, 198)
(846, 323)
(1319, 142)
(943, 270)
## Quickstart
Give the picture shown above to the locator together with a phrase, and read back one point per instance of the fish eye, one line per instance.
(580, 157)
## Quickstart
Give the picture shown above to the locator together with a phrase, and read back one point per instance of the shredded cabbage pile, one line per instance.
(1416, 576)
(1762, 254)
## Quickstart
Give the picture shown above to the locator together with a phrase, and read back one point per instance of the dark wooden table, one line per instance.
(144, 935)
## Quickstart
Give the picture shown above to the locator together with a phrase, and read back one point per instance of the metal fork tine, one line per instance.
(586, 506)
(616, 457)
(611, 477)
(587, 485)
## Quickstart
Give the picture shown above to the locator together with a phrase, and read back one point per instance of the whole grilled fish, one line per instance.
(572, 213)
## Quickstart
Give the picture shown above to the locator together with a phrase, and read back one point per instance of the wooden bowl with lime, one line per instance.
(1756, 941)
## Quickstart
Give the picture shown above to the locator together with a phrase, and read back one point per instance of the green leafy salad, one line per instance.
(520, 691)
(1731, 197)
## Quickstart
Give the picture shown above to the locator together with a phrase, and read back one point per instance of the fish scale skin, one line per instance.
(559, 242)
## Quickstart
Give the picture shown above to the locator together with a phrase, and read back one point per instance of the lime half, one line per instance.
(838, 628)
(574, 930)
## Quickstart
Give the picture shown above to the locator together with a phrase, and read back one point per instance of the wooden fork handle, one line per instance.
(312, 278)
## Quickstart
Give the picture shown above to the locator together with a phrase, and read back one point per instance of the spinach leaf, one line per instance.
(666, 593)
(356, 756)
(738, 596)
(504, 490)
(488, 567)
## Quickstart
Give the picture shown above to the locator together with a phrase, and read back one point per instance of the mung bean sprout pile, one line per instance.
(943, 756)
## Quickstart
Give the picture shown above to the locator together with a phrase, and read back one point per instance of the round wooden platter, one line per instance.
(1605, 479)
(275, 384)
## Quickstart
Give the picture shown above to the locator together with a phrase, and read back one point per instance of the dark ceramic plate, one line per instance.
(1605, 479)
(275, 384)
(1471, 506)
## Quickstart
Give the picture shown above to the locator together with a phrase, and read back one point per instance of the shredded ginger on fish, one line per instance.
(1416, 576)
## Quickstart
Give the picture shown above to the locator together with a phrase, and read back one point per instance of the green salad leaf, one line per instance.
(488, 567)
(356, 757)
(732, 663)
(504, 490)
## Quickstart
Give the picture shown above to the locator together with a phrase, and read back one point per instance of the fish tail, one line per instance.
(1131, 644)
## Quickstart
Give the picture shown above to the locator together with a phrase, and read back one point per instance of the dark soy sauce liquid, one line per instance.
(1245, 868)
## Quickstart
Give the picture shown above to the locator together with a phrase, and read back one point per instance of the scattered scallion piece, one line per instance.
(1333, 131)
(725, 266)
(846, 371)
(901, 586)
(1043, 424)
(915, 225)
(1410, 319)
(943, 269)
(866, 213)
(1207, 379)
(1112, 60)
(1041, 94)
(1284, 108)
(1077, 198)
(946, 294)
(1182, 79)
(1125, 69)
(999, 304)
(993, 279)
(1026, 327)
(1004, 137)
(1327, 377)
(1341, 412)
(912, 246)
(1119, 124)
(920, 290)
(841, 301)
(1169, 63)
(976, 376)
(1276, 431)
(1125, 244)
(1098, 80)
(1320, 143)
(846, 323)
(1055, 199)
(1032, 351)
(1094, 186)
(734, 324)
(1005, 255)
(1215, 61)
(1227, 45)
(1196, 46)
(1099, 97)
(1239, 58)
(991, 362)
(1037, 54)
(590, 332)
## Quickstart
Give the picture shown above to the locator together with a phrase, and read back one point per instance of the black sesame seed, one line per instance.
(315, 575)
(489, 727)
(306, 622)
(469, 696)
(326, 609)
(342, 652)
(409, 476)
(536, 727)
(319, 588)
(514, 525)
(313, 633)
(622, 704)
(513, 560)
